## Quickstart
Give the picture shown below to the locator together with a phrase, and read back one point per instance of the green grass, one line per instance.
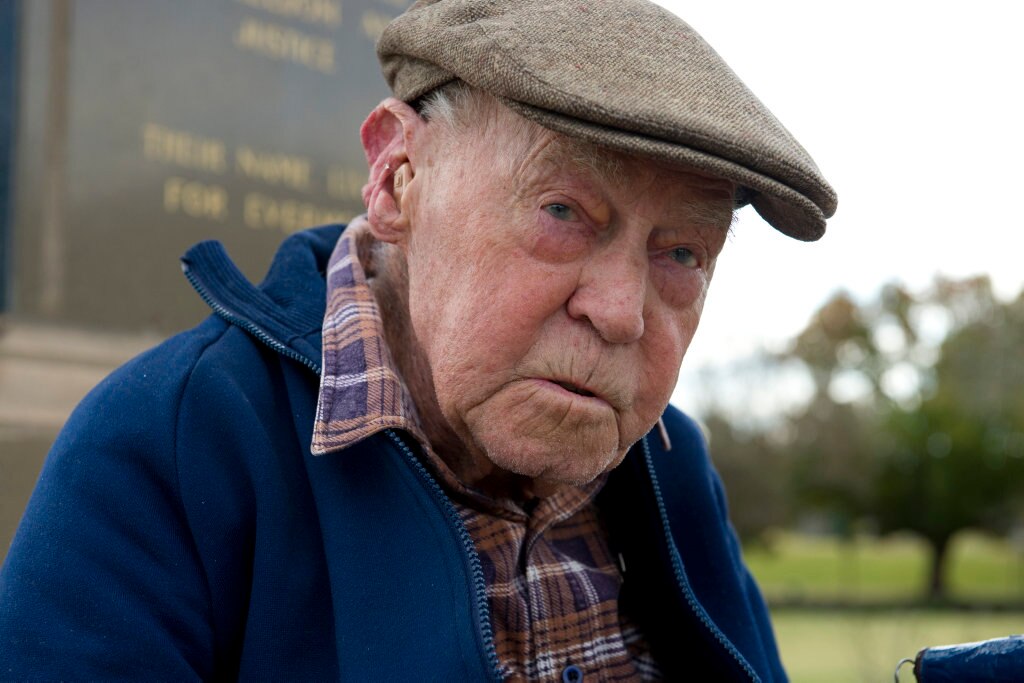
(852, 646)
(866, 569)
(986, 568)
(865, 645)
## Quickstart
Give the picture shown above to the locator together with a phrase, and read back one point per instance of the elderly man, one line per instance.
(436, 445)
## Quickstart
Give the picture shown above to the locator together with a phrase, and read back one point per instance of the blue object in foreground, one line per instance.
(1000, 660)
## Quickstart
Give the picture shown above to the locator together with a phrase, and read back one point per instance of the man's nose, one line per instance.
(611, 295)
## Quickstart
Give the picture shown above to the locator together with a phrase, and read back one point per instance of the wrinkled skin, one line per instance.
(551, 301)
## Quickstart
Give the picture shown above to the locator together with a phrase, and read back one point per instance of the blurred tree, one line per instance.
(836, 338)
(917, 418)
(915, 421)
(756, 474)
(832, 447)
(830, 439)
(957, 459)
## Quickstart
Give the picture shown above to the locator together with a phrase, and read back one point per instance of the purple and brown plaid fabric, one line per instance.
(552, 583)
(360, 390)
(553, 589)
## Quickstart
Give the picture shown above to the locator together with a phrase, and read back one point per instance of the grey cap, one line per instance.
(623, 74)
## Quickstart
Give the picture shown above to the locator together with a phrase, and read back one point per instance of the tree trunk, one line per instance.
(937, 573)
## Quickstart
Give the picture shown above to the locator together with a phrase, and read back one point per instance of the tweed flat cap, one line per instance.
(624, 74)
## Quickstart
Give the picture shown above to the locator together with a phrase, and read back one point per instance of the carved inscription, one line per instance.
(190, 191)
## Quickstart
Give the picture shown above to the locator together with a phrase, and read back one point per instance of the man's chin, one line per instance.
(556, 465)
(545, 438)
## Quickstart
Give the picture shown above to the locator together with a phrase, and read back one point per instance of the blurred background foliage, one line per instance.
(882, 511)
(913, 423)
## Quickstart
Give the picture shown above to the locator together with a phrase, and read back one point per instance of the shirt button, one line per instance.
(572, 674)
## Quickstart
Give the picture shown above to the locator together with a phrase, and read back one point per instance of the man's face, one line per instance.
(553, 297)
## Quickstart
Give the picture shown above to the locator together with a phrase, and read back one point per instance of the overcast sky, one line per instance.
(913, 112)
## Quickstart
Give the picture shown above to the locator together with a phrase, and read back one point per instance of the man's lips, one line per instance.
(568, 386)
(586, 392)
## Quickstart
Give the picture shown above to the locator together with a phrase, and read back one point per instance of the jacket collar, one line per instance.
(286, 310)
(360, 393)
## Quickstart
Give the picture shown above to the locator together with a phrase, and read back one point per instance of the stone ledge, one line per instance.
(45, 371)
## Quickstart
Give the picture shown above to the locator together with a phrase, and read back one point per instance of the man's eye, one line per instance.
(684, 256)
(561, 212)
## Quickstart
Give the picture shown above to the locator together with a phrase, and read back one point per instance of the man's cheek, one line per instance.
(529, 433)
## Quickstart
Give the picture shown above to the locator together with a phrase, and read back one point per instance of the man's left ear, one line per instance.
(389, 136)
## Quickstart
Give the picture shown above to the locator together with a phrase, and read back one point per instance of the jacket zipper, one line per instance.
(483, 611)
(246, 324)
(681, 580)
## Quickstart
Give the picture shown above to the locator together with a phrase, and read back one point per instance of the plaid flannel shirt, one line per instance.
(552, 583)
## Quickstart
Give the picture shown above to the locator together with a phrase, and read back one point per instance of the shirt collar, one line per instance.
(361, 392)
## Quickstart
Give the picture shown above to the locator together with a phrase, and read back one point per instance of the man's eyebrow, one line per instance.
(709, 202)
(714, 210)
(714, 207)
(583, 156)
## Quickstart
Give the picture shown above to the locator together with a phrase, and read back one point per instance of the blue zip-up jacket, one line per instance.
(182, 530)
